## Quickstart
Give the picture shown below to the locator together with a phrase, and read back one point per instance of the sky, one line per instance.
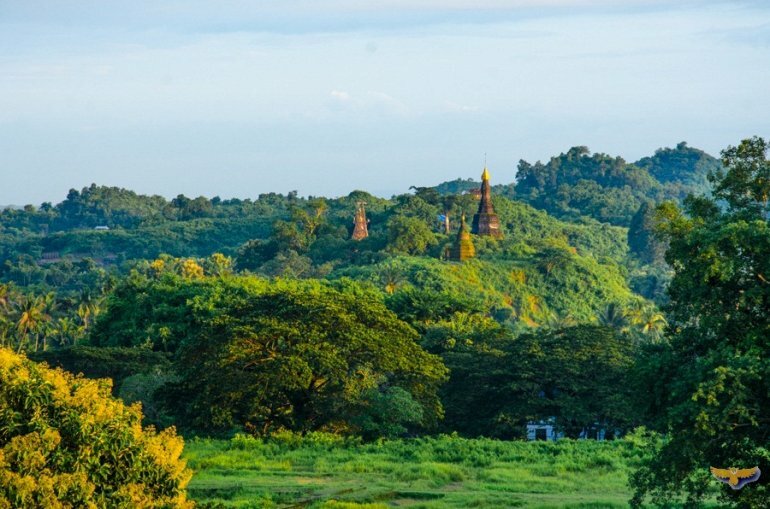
(237, 98)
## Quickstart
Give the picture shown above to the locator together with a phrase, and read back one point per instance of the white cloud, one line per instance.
(340, 95)
(370, 102)
(387, 103)
(453, 106)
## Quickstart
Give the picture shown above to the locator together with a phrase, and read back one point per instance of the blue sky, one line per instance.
(237, 98)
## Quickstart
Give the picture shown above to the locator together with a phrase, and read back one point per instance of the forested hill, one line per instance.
(579, 183)
(101, 232)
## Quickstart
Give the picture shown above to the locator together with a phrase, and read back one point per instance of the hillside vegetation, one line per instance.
(383, 370)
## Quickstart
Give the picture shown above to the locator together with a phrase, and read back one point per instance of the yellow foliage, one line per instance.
(158, 266)
(69, 443)
(518, 276)
(534, 304)
(191, 269)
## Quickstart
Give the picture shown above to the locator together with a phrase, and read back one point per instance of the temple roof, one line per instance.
(485, 175)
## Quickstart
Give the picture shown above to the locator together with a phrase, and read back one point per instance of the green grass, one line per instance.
(323, 471)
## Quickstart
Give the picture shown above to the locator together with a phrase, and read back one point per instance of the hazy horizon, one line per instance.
(327, 97)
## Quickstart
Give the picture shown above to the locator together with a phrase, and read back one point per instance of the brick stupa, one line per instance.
(462, 249)
(360, 223)
(486, 222)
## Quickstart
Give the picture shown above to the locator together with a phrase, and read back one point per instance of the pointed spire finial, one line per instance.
(485, 174)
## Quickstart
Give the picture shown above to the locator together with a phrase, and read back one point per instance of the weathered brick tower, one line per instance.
(486, 222)
(360, 226)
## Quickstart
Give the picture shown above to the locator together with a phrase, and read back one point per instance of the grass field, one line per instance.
(322, 471)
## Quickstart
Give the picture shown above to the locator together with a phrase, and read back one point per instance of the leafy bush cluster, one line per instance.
(65, 442)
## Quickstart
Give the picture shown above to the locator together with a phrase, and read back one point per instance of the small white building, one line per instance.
(102, 228)
(546, 430)
(542, 431)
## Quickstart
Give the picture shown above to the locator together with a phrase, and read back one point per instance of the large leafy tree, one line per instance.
(710, 386)
(409, 235)
(285, 354)
(578, 376)
(583, 374)
(65, 442)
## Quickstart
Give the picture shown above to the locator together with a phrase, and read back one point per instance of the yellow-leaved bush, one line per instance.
(66, 442)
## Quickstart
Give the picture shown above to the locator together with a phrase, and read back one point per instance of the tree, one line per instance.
(648, 321)
(553, 257)
(65, 442)
(289, 264)
(148, 312)
(684, 168)
(218, 265)
(301, 230)
(267, 355)
(254, 253)
(5, 297)
(391, 278)
(32, 318)
(448, 204)
(386, 412)
(579, 376)
(115, 363)
(583, 372)
(642, 240)
(745, 182)
(491, 382)
(409, 235)
(554, 321)
(428, 194)
(707, 386)
(613, 315)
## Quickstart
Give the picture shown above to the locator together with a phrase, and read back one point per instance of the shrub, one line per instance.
(65, 442)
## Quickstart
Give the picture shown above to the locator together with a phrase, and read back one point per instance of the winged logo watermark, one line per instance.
(736, 478)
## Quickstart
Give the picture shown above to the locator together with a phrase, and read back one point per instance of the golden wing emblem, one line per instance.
(747, 472)
(736, 478)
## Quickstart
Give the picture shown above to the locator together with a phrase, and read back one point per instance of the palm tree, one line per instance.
(648, 320)
(392, 278)
(32, 319)
(5, 297)
(88, 309)
(50, 304)
(555, 322)
(84, 313)
(613, 316)
(6, 326)
(67, 331)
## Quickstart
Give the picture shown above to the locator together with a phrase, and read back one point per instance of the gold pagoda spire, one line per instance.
(486, 222)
